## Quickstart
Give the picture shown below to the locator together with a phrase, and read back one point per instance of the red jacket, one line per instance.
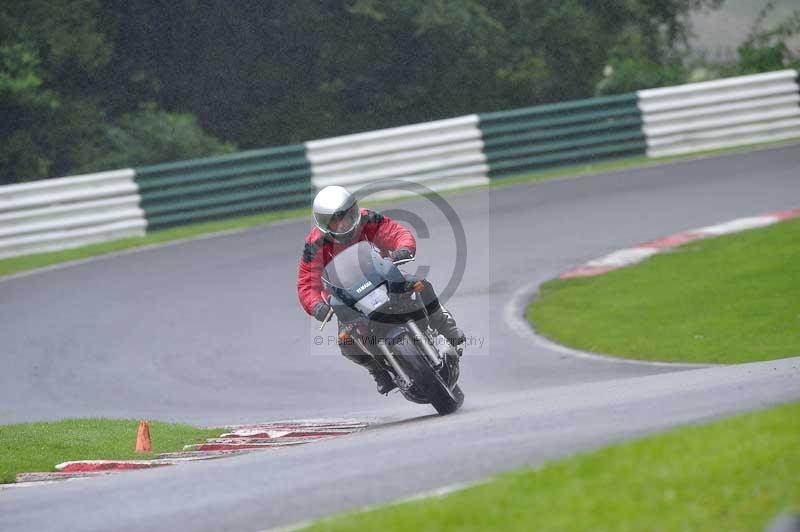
(384, 232)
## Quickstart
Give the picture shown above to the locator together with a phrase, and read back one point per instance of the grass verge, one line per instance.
(732, 475)
(38, 447)
(729, 299)
(13, 265)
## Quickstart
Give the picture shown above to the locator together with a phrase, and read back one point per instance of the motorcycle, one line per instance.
(383, 314)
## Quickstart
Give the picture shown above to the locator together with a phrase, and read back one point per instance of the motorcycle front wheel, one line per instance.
(444, 400)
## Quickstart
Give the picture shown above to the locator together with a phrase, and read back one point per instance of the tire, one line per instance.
(443, 400)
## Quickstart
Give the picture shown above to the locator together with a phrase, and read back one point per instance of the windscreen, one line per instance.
(351, 266)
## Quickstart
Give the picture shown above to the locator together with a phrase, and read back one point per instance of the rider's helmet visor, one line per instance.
(343, 222)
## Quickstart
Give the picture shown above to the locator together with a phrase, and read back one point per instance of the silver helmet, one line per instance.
(336, 213)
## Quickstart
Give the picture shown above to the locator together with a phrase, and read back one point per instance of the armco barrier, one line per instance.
(439, 155)
(721, 113)
(238, 184)
(457, 152)
(69, 212)
(534, 138)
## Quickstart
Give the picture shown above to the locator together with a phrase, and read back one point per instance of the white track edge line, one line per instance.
(429, 494)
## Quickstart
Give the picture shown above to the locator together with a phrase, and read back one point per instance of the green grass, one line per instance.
(38, 447)
(729, 299)
(13, 265)
(734, 475)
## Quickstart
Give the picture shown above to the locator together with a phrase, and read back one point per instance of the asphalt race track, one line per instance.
(209, 332)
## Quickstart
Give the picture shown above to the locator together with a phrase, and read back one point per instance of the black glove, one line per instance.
(321, 311)
(401, 254)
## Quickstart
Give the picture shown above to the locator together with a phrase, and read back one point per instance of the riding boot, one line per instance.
(441, 320)
(383, 379)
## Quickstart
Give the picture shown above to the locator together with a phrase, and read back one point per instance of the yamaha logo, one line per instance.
(363, 287)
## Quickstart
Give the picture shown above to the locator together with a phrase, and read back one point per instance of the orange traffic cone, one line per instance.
(143, 444)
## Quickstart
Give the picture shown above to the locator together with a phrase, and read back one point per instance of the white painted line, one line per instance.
(141, 464)
(201, 455)
(300, 424)
(735, 226)
(623, 257)
(64, 465)
(28, 480)
(269, 441)
(438, 492)
(248, 433)
(31, 483)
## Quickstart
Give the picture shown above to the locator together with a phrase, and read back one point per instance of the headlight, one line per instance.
(373, 300)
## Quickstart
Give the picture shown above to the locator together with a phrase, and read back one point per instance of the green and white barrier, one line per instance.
(721, 113)
(238, 184)
(444, 154)
(439, 155)
(535, 138)
(69, 212)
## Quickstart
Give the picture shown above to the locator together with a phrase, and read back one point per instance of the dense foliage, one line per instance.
(90, 84)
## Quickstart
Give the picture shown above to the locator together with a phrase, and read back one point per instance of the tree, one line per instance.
(61, 109)
(48, 51)
(81, 80)
(765, 49)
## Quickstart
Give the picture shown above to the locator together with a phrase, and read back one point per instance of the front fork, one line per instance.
(398, 369)
(422, 339)
(429, 350)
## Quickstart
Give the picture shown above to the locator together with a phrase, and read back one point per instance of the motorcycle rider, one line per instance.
(339, 222)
